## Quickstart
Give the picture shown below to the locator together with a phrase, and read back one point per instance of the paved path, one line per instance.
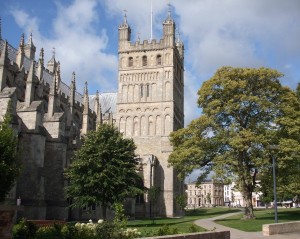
(209, 224)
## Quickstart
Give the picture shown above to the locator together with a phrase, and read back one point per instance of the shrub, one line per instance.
(85, 230)
(106, 230)
(69, 232)
(130, 233)
(45, 232)
(90, 230)
(24, 230)
(166, 230)
(193, 228)
(53, 232)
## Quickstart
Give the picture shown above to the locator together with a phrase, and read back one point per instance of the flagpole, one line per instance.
(151, 20)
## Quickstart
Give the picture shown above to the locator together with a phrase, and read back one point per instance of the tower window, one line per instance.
(158, 60)
(145, 62)
(142, 90)
(130, 61)
(148, 90)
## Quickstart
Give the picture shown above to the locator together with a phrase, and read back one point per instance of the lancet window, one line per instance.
(130, 61)
(158, 60)
(145, 61)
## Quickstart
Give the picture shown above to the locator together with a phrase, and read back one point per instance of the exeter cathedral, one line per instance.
(50, 119)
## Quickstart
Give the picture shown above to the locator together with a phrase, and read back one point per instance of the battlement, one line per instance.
(146, 45)
(167, 41)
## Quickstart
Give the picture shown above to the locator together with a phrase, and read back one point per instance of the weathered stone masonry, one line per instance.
(50, 118)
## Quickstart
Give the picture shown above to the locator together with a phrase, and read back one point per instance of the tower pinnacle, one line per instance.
(41, 60)
(30, 48)
(85, 91)
(53, 52)
(169, 11)
(125, 17)
(178, 36)
(22, 40)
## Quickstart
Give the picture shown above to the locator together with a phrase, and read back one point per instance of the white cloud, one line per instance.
(228, 32)
(240, 33)
(78, 46)
(28, 23)
(215, 33)
(191, 86)
(139, 15)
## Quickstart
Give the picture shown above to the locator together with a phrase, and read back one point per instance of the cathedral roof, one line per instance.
(12, 55)
(108, 100)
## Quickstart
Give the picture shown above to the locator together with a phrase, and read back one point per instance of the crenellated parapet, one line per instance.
(146, 45)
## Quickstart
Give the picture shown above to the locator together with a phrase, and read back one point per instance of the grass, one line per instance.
(182, 225)
(263, 216)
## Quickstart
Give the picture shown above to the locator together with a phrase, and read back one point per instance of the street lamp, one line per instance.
(272, 149)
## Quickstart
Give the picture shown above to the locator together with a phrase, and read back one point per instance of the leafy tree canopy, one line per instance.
(9, 162)
(103, 170)
(245, 110)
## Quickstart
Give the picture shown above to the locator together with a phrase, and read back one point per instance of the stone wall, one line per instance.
(280, 228)
(202, 235)
(6, 223)
(150, 107)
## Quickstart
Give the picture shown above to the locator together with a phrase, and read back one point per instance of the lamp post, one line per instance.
(272, 149)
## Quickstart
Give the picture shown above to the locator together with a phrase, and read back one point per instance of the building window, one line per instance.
(144, 59)
(148, 90)
(91, 207)
(158, 60)
(130, 61)
(139, 199)
(142, 90)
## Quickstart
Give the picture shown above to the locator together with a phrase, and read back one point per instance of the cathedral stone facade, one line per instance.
(50, 119)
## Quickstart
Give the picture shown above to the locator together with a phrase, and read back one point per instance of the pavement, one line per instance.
(210, 225)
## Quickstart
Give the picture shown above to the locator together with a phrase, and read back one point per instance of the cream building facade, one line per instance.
(234, 198)
(208, 193)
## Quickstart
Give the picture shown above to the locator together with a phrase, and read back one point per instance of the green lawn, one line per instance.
(263, 216)
(183, 225)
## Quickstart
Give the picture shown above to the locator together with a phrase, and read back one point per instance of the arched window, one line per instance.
(145, 62)
(130, 61)
(158, 60)
(141, 90)
(147, 90)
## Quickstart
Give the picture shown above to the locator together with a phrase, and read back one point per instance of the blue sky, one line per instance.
(215, 33)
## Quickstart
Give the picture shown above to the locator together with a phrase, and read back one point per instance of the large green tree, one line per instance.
(9, 162)
(244, 111)
(287, 172)
(103, 171)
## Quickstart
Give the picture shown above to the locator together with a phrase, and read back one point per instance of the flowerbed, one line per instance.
(100, 230)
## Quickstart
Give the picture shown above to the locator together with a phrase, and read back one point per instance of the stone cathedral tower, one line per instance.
(149, 107)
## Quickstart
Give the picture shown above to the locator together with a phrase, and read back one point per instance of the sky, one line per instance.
(84, 33)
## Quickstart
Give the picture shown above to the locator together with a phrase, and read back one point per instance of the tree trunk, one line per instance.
(249, 214)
